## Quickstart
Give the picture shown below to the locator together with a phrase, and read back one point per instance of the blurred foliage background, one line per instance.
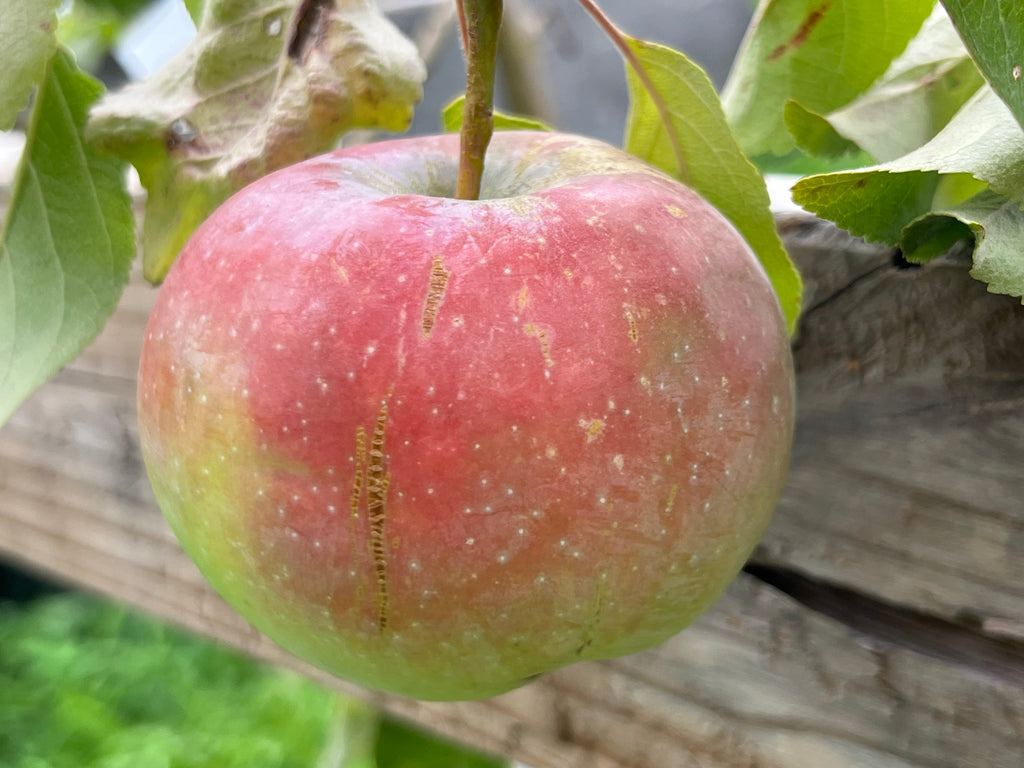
(85, 683)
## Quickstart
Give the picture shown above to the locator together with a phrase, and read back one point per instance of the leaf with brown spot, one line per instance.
(905, 108)
(801, 35)
(264, 84)
(822, 54)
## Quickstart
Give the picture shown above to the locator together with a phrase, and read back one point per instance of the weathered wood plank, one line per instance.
(906, 487)
(907, 481)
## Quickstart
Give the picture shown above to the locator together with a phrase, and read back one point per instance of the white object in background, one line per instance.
(11, 145)
(153, 38)
(780, 192)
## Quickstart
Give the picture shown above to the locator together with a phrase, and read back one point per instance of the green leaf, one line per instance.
(972, 172)
(195, 9)
(815, 133)
(67, 243)
(918, 95)
(262, 85)
(451, 119)
(692, 141)
(820, 53)
(28, 41)
(993, 31)
(995, 224)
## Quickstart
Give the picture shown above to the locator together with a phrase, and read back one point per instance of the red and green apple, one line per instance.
(439, 447)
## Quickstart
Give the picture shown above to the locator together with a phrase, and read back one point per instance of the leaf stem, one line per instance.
(479, 21)
(621, 41)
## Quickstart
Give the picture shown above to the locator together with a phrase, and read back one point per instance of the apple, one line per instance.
(439, 447)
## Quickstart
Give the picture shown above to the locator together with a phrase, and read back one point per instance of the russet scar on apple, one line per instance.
(439, 277)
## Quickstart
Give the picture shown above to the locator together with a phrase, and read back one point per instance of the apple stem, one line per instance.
(479, 21)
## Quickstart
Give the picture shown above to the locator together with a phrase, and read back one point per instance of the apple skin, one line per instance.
(439, 447)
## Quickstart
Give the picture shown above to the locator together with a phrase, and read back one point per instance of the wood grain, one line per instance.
(900, 539)
(907, 480)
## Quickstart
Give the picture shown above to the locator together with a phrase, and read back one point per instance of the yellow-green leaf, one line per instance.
(681, 129)
(451, 119)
